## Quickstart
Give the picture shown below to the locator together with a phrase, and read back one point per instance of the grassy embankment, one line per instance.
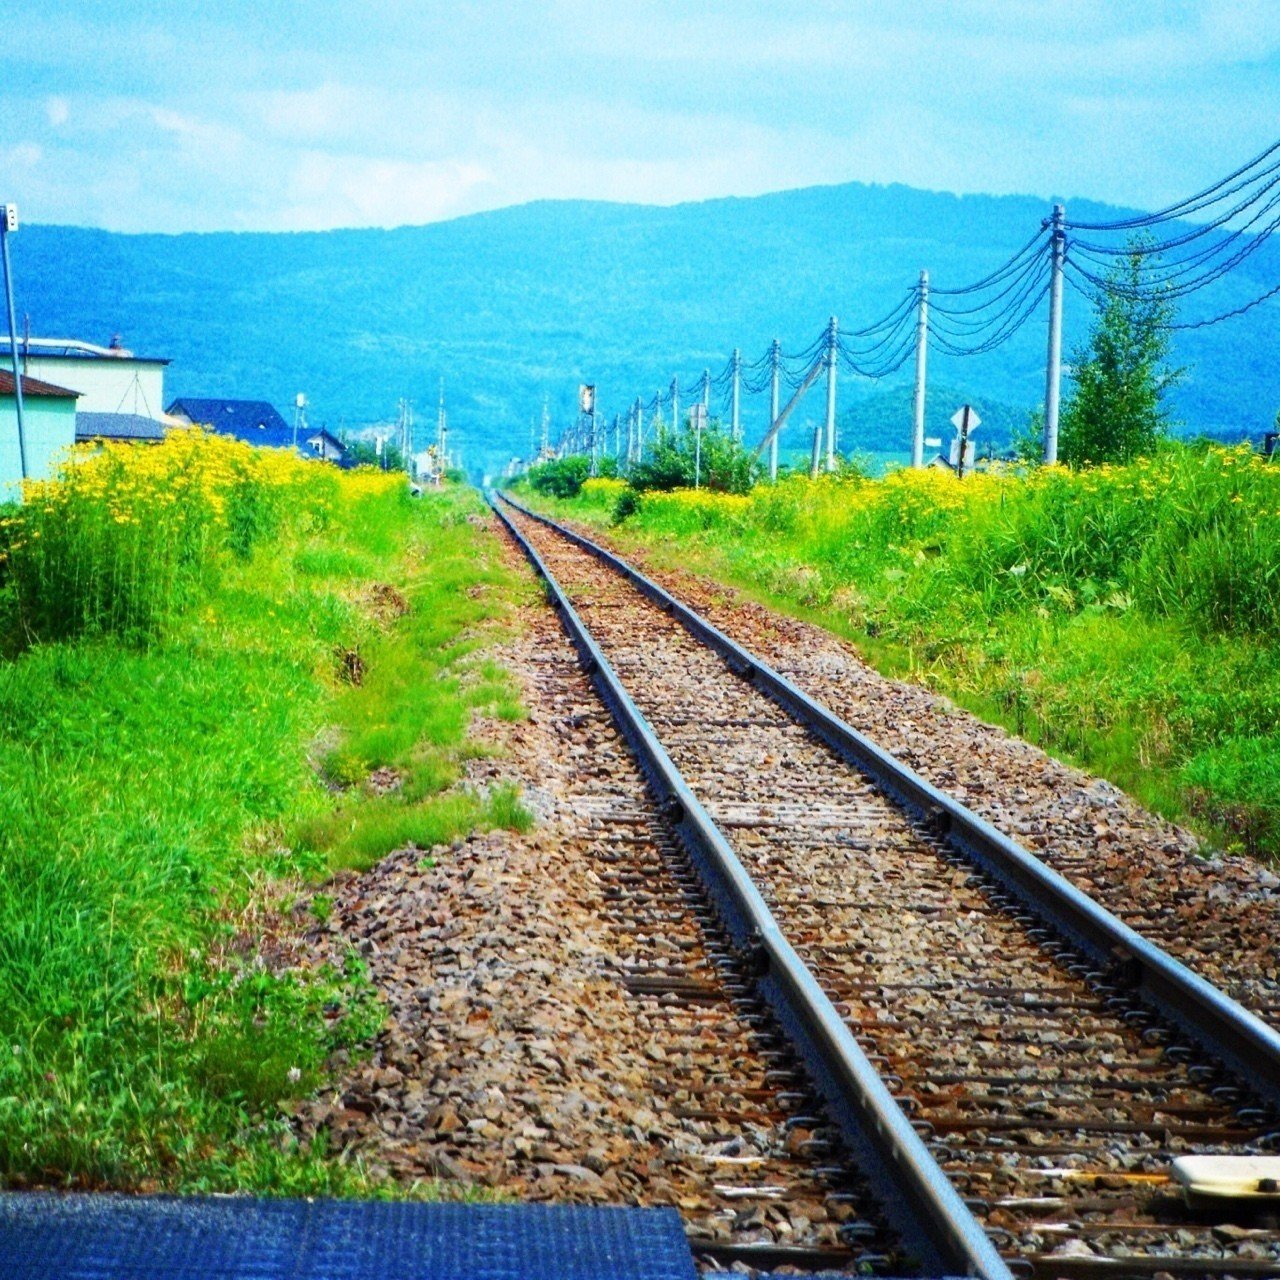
(209, 649)
(1127, 618)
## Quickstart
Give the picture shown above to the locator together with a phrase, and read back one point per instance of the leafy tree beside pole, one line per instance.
(1116, 412)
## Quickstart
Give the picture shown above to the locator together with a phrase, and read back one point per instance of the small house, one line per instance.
(258, 423)
(49, 431)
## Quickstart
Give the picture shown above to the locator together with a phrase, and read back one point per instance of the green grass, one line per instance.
(154, 799)
(1125, 618)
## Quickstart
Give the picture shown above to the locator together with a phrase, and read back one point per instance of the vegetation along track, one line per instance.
(1051, 1092)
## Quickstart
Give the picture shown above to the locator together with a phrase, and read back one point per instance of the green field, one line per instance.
(186, 740)
(1126, 617)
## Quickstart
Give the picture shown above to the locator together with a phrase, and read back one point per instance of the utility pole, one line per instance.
(706, 391)
(639, 431)
(699, 417)
(735, 417)
(299, 418)
(815, 458)
(922, 351)
(617, 436)
(546, 427)
(831, 394)
(595, 440)
(8, 225)
(442, 435)
(966, 417)
(775, 363)
(675, 405)
(1053, 366)
(408, 442)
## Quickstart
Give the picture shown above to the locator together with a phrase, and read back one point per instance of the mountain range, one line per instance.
(516, 307)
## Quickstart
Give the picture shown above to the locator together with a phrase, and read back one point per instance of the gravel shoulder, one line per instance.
(521, 1057)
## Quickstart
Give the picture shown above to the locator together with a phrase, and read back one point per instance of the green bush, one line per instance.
(564, 477)
(676, 459)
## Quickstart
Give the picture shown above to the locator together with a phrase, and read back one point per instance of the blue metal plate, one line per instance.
(84, 1237)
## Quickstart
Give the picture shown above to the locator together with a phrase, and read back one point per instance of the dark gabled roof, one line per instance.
(34, 387)
(254, 421)
(117, 426)
(312, 432)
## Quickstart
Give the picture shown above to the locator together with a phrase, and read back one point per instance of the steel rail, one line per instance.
(1223, 1027)
(917, 1196)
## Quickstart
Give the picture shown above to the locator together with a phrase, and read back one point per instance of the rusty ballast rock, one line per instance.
(917, 1195)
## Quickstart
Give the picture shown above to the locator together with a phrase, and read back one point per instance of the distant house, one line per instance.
(255, 422)
(107, 379)
(117, 427)
(49, 429)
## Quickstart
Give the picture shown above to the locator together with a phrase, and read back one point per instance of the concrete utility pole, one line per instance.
(831, 394)
(1053, 366)
(815, 458)
(675, 405)
(639, 431)
(617, 436)
(8, 225)
(775, 363)
(922, 352)
(442, 434)
(735, 416)
(546, 425)
(706, 390)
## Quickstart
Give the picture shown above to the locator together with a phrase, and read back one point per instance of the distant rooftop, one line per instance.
(117, 426)
(34, 387)
(253, 421)
(74, 348)
(256, 421)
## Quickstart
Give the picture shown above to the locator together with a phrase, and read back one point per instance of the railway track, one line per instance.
(1046, 1060)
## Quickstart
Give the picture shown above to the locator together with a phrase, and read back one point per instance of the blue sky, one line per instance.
(177, 116)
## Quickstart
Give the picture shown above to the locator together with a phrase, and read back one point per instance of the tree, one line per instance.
(364, 454)
(669, 463)
(1116, 412)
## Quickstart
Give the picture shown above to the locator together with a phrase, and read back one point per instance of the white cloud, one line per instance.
(58, 111)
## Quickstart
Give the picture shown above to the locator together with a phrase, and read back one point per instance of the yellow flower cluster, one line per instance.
(126, 532)
(603, 489)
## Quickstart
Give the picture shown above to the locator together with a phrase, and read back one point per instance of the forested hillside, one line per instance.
(522, 303)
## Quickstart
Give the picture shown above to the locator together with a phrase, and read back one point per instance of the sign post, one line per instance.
(8, 225)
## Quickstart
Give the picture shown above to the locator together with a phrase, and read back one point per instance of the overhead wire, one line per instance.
(1179, 209)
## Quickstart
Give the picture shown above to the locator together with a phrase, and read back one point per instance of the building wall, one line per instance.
(106, 384)
(50, 424)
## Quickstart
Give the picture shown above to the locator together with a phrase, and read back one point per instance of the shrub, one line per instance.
(128, 536)
(564, 477)
(675, 460)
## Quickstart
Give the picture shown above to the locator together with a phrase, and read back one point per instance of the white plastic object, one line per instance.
(1229, 1177)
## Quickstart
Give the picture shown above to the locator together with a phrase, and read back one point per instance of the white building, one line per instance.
(107, 379)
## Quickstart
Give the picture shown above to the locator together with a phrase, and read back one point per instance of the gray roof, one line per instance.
(117, 426)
